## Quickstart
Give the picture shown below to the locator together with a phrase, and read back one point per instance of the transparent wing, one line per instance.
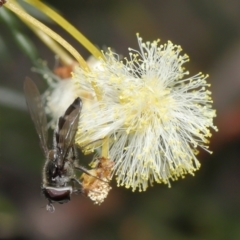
(67, 127)
(35, 107)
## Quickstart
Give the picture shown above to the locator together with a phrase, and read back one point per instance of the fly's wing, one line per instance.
(35, 107)
(67, 127)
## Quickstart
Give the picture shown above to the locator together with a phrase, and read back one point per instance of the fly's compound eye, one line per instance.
(60, 195)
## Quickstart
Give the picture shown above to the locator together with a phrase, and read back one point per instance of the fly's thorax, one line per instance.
(58, 177)
(68, 169)
(61, 181)
(56, 155)
(50, 170)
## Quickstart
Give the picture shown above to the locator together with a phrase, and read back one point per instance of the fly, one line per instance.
(58, 177)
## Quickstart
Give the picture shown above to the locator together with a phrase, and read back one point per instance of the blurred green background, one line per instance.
(202, 207)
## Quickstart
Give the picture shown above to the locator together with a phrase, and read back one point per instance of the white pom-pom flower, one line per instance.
(154, 116)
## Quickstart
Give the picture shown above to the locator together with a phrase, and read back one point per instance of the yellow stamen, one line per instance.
(105, 147)
(67, 27)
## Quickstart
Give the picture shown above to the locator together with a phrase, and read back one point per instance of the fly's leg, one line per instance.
(81, 168)
(79, 189)
(84, 170)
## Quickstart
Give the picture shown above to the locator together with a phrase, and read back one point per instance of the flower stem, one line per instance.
(49, 32)
(48, 41)
(67, 27)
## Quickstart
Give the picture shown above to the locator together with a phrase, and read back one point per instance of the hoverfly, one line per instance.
(58, 176)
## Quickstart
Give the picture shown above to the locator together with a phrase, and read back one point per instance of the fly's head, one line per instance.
(56, 194)
(57, 184)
